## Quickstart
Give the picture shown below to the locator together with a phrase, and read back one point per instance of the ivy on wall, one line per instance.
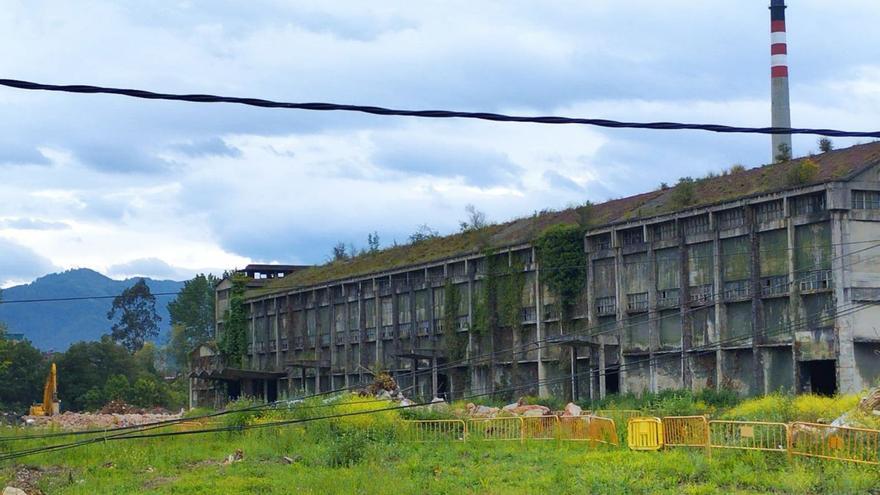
(233, 342)
(456, 343)
(563, 264)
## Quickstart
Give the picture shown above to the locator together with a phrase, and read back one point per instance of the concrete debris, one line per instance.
(572, 409)
(11, 490)
(235, 457)
(83, 421)
(871, 402)
(482, 411)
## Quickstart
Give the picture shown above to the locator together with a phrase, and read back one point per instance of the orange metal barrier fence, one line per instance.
(435, 430)
(541, 428)
(748, 435)
(507, 428)
(685, 431)
(835, 442)
(648, 433)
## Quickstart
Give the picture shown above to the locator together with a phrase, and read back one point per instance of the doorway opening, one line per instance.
(819, 377)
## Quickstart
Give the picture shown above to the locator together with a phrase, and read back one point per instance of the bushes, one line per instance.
(785, 408)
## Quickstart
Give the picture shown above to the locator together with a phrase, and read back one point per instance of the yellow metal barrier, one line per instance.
(748, 435)
(685, 431)
(541, 428)
(835, 442)
(435, 430)
(602, 430)
(507, 428)
(644, 434)
(591, 429)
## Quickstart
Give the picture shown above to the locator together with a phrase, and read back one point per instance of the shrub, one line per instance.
(802, 172)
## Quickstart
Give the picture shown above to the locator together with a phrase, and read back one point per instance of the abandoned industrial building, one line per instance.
(758, 280)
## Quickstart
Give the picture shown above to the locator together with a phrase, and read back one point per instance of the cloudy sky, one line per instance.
(166, 189)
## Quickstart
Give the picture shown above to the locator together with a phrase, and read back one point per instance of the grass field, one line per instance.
(363, 454)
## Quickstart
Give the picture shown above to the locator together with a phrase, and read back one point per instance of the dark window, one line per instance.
(772, 210)
(804, 205)
(696, 225)
(601, 242)
(664, 231)
(632, 237)
(730, 219)
(866, 200)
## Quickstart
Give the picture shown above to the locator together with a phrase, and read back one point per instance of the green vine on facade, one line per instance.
(510, 289)
(233, 341)
(456, 343)
(562, 262)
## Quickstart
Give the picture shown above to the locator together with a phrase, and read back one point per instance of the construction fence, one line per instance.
(830, 442)
(593, 429)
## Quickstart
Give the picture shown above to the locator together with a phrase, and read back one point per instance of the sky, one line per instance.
(169, 189)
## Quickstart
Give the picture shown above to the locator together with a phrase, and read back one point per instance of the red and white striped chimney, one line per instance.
(780, 113)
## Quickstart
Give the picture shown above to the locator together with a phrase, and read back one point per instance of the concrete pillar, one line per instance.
(686, 327)
(653, 314)
(620, 292)
(718, 291)
(278, 315)
(795, 308)
(847, 380)
(346, 348)
(543, 390)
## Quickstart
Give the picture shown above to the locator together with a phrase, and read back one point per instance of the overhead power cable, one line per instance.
(138, 435)
(434, 114)
(76, 298)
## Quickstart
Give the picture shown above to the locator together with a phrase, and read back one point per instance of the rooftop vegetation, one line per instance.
(715, 188)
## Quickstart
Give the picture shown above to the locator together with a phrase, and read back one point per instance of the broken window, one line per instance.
(601, 242)
(696, 225)
(731, 219)
(812, 203)
(632, 237)
(606, 305)
(771, 210)
(664, 231)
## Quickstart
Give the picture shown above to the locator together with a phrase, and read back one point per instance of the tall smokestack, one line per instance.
(779, 103)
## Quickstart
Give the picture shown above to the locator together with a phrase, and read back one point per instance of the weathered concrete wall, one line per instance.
(779, 376)
(739, 323)
(867, 356)
(670, 329)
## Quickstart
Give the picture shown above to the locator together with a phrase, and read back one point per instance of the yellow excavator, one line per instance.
(50, 405)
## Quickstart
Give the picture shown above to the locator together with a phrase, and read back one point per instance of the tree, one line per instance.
(137, 320)
(476, 219)
(23, 371)
(825, 145)
(422, 233)
(684, 193)
(192, 317)
(783, 153)
(84, 369)
(340, 252)
(373, 242)
(233, 342)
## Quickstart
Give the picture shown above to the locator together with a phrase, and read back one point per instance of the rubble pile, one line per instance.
(519, 408)
(83, 421)
(870, 404)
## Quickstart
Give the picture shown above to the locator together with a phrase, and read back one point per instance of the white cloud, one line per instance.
(173, 188)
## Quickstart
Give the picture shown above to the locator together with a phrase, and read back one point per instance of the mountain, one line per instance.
(57, 324)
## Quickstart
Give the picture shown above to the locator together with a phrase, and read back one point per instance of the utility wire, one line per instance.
(131, 436)
(76, 298)
(375, 110)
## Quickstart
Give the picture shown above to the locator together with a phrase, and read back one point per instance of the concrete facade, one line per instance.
(767, 292)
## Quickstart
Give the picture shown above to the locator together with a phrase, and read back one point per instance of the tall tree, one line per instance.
(192, 317)
(134, 315)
